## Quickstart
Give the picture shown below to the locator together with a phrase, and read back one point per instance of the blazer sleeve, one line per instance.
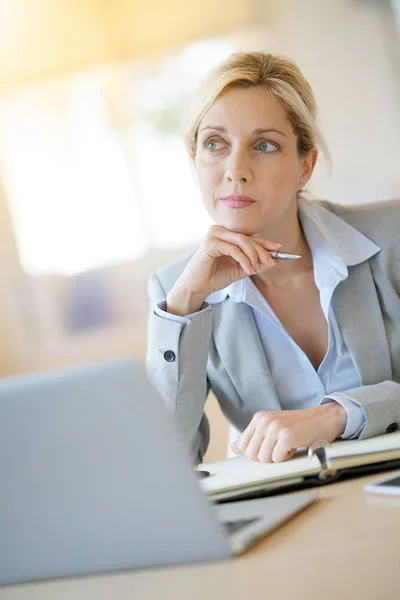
(176, 364)
(381, 405)
(381, 401)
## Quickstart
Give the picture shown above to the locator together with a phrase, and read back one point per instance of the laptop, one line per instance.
(95, 477)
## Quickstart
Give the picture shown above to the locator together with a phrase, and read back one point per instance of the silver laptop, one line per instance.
(95, 477)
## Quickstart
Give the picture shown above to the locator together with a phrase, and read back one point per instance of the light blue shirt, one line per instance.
(334, 245)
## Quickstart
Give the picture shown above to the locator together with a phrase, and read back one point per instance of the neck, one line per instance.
(291, 235)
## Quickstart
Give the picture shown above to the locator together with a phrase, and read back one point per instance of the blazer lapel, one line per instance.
(360, 318)
(239, 346)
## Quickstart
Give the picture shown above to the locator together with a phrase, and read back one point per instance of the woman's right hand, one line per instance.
(222, 258)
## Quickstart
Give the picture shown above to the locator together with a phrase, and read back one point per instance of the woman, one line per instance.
(295, 350)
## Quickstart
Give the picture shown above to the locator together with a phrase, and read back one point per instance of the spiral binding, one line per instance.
(319, 449)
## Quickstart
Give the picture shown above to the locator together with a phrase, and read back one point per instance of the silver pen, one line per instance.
(284, 256)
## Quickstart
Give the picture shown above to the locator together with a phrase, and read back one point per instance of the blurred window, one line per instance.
(94, 167)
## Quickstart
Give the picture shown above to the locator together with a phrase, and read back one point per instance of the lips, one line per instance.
(237, 201)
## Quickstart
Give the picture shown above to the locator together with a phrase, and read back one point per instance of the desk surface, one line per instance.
(346, 545)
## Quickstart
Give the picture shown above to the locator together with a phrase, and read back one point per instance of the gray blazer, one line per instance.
(221, 350)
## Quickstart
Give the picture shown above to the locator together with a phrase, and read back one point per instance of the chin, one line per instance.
(237, 227)
(246, 221)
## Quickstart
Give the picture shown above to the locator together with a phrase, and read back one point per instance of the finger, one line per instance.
(267, 447)
(254, 248)
(247, 245)
(281, 452)
(266, 249)
(285, 445)
(267, 244)
(265, 260)
(255, 443)
(226, 249)
(245, 438)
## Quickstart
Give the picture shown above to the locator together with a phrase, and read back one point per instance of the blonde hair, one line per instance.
(279, 76)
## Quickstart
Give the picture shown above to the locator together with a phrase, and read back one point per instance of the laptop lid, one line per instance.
(95, 477)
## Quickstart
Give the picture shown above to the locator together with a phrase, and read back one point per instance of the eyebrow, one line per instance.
(256, 131)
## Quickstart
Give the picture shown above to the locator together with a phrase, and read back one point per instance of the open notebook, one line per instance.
(241, 477)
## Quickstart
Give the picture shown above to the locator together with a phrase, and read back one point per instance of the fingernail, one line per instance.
(235, 448)
(275, 245)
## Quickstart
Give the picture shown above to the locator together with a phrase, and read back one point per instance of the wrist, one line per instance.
(183, 302)
(337, 419)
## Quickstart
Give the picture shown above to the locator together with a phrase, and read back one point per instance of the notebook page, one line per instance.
(380, 443)
(241, 471)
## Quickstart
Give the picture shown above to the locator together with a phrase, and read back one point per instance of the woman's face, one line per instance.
(247, 163)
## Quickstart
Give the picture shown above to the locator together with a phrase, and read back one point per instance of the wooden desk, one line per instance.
(344, 546)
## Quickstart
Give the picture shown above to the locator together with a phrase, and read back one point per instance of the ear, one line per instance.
(307, 164)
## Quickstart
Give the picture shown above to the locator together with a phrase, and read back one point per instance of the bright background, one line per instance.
(95, 186)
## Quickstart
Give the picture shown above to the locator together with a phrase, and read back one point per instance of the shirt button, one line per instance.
(392, 427)
(169, 356)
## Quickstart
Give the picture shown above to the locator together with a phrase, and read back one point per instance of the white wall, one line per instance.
(348, 51)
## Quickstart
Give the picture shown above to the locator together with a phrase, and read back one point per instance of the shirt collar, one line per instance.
(331, 240)
(351, 246)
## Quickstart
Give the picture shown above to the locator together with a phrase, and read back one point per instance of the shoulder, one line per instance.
(367, 210)
(380, 221)
(168, 274)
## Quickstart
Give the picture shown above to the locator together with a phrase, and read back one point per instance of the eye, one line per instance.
(264, 146)
(211, 144)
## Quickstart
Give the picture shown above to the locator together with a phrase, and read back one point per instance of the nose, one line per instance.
(238, 168)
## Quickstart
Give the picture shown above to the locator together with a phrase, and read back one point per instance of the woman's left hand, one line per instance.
(275, 436)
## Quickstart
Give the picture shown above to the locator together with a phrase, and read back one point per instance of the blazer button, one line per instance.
(169, 356)
(392, 427)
